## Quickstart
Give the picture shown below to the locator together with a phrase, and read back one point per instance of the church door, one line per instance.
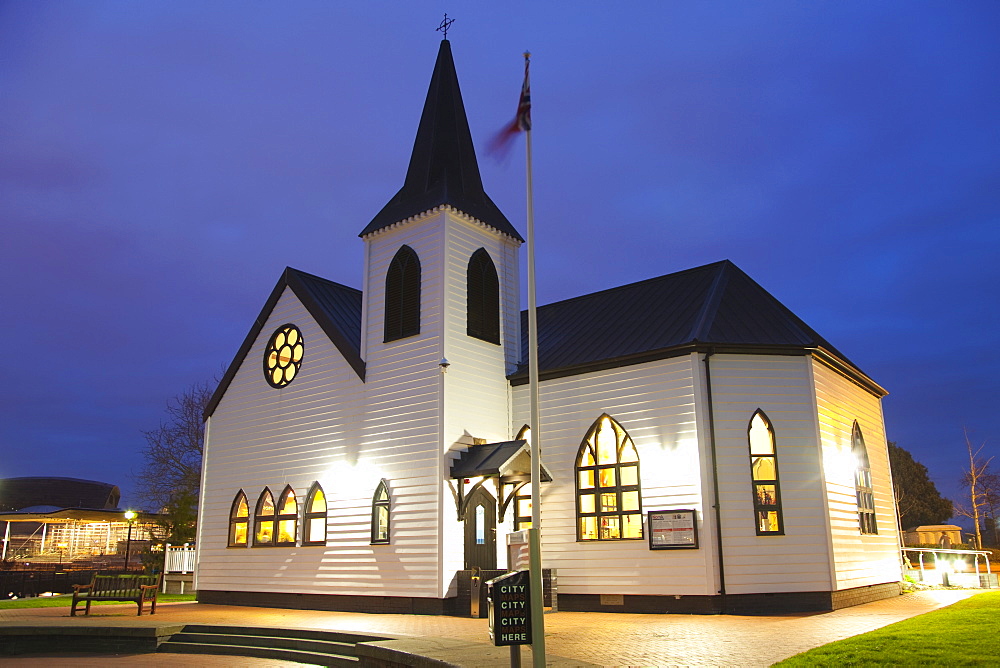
(481, 531)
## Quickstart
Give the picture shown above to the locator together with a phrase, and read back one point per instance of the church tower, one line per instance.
(441, 321)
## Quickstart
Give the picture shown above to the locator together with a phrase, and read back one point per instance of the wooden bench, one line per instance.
(136, 588)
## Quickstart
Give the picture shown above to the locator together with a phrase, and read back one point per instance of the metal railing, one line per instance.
(948, 567)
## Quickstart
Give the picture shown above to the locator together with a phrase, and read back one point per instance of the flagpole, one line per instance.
(534, 533)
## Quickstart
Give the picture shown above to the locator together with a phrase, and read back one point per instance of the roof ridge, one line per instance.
(634, 284)
(320, 278)
(710, 307)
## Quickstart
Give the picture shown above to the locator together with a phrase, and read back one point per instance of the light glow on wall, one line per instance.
(840, 465)
(352, 480)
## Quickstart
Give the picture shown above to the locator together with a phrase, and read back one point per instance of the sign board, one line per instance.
(510, 610)
(673, 530)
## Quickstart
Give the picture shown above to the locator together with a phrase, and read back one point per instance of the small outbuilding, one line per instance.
(944, 536)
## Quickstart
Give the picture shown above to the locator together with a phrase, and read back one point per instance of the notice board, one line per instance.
(673, 529)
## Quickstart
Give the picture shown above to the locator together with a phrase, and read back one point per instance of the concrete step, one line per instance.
(324, 648)
(271, 631)
(257, 652)
(278, 642)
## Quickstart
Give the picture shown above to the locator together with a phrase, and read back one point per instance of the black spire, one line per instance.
(443, 167)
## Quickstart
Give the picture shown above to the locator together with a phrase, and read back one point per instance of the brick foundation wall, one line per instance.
(848, 597)
(732, 604)
(374, 604)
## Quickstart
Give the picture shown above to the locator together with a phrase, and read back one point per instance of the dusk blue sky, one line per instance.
(162, 162)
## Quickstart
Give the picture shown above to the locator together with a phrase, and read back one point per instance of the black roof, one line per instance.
(505, 458)
(335, 307)
(443, 167)
(19, 493)
(716, 307)
(712, 308)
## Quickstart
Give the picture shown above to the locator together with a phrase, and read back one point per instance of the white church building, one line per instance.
(703, 449)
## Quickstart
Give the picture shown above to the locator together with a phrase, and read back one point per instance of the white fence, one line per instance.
(179, 559)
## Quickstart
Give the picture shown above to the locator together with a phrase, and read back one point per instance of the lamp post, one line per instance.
(130, 518)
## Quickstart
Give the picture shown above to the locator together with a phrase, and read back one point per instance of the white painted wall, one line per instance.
(781, 387)
(655, 403)
(859, 560)
(313, 429)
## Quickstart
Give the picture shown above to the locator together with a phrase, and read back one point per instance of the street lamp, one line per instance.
(130, 518)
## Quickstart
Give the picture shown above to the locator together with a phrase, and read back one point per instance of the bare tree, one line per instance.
(975, 478)
(169, 479)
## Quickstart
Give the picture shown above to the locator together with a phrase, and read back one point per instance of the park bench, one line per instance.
(136, 588)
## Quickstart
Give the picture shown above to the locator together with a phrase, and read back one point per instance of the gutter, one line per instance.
(715, 480)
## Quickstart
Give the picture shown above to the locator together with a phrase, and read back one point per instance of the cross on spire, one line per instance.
(445, 24)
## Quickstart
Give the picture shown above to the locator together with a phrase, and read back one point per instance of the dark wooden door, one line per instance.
(481, 531)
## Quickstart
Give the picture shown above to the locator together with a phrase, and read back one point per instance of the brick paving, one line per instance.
(579, 638)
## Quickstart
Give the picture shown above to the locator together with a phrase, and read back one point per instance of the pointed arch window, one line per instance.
(608, 503)
(863, 483)
(239, 520)
(483, 298)
(314, 517)
(381, 503)
(288, 517)
(402, 295)
(764, 474)
(264, 517)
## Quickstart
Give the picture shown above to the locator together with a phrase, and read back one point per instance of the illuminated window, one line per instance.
(764, 473)
(314, 518)
(522, 510)
(522, 495)
(283, 355)
(863, 483)
(264, 518)
(239, 519)
(483, 298)
(288, 517)
(380, 514)
(608, 505)
(402, 295)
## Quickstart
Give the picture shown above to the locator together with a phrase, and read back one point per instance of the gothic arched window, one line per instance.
(380, 514)
(402, 295)
(239, 518)
(764, 473)
(863, 483)
(483, 298)
(608, 505)
(288, 517)
(264, 517)
(314, 517)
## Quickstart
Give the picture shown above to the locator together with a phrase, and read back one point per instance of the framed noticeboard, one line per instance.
(673, 530)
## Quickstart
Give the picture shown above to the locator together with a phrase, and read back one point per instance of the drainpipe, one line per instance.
(715, 480)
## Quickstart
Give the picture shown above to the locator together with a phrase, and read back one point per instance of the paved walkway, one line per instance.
(606, 639)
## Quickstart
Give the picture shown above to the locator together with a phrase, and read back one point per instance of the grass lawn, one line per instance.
(966, 633)
(65, 600)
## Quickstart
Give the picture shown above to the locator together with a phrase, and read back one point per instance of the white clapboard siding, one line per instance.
(859, 560)
(780, 386)
(476, 394)
(403, 393)
(655, 403)
(329, 426)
